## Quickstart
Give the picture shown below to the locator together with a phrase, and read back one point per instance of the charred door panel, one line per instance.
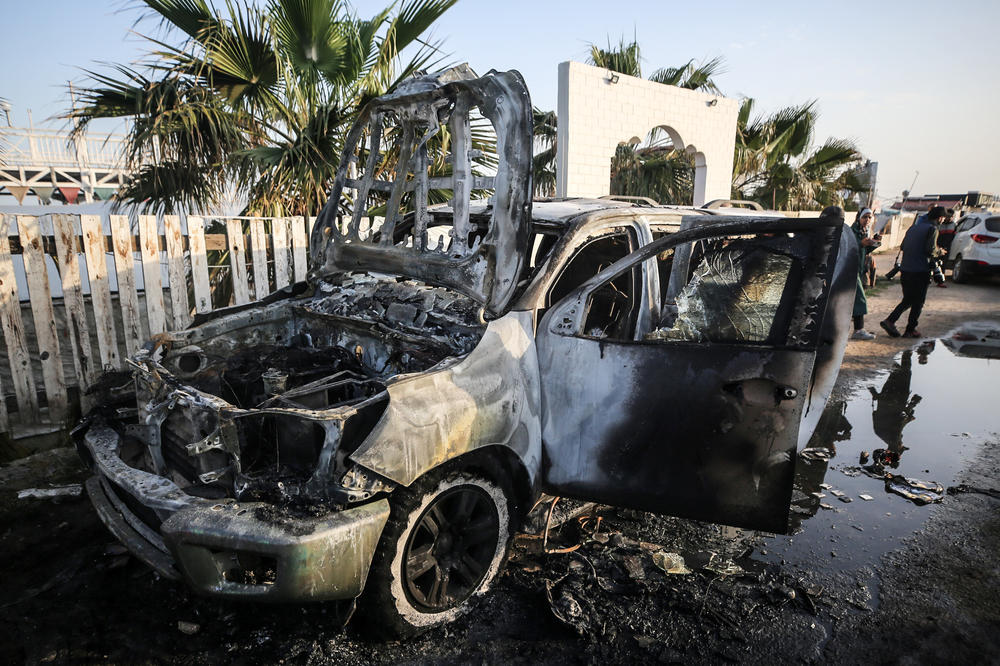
(637, 436)
(700, 417)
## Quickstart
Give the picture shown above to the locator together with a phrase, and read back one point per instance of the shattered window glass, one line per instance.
(734, 294)
(612, 309)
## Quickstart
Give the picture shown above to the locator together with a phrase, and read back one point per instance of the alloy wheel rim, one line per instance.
(450, 549)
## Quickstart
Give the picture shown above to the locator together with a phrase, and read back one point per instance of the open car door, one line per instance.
(698, 416)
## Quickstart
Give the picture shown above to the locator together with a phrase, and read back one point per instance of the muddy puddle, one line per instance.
(925, 419)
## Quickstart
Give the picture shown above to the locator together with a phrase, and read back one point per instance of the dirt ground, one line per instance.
(71, 594)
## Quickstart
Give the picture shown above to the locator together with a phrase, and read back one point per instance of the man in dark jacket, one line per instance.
(919, 248)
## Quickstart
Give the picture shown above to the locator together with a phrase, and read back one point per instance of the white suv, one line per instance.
(976, 248)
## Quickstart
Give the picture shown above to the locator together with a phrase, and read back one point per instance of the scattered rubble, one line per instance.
(917, 491)
(816, 453)
(965, 488)
(55, 493)
(189, 628)
(671, 563)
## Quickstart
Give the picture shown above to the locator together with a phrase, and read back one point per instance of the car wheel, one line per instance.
(444, 543)
(959, 272)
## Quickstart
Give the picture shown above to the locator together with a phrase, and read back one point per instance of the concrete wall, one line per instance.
(595, 115)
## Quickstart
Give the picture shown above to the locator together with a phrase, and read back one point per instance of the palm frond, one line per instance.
(256, 98)
(691, 76)
(625, 58)
(309, 34)
(671, 76)
(194, 17)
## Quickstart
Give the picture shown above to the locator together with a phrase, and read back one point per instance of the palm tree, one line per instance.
(544, 160)
(256, 98)
(626, 58)
(691, 76)
(775, 162)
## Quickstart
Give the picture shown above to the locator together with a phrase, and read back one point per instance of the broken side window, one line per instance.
(737, 290)
(612, 309)
(588, 261)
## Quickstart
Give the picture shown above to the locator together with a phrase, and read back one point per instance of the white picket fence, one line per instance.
(56, 351)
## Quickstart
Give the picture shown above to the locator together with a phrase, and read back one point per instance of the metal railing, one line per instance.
(29, 147)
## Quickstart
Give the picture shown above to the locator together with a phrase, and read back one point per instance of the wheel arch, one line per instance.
(503, 466)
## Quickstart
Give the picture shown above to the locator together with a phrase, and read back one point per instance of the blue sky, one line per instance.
(916, 84)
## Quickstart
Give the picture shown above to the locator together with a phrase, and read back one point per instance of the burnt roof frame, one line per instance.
(485, 271)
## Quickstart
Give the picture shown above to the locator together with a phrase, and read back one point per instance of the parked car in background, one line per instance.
(976, 247)
(381, 429)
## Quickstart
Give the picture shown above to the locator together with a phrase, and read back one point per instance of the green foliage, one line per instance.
(256, 99)
(544, 160)
(775, 162)
(624, 58)
(691, 76)
(654, 169)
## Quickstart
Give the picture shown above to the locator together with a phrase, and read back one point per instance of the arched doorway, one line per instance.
(659, 166)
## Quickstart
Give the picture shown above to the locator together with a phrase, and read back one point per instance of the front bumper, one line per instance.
(224, 548)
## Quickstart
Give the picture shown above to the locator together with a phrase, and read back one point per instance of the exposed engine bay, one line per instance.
(266, 404)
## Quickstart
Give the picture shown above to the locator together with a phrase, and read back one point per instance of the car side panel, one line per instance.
(490, 397)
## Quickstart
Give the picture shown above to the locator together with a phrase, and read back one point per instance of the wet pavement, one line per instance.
(884, 580)
(931, 413)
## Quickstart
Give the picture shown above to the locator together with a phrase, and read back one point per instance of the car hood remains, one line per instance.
(423, 144)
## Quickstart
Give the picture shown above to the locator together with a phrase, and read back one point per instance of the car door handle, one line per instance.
(761, 391)
(785, 393)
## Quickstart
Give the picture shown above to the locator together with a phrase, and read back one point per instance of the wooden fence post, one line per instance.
(175, 270)
(299, 244)
(149, 244)
(46, 337)
(77, 331)
(258, 242)
(100, 290)
(128, 298)
(13, 332)
(238, 262)
(279, 236)
(199, 265)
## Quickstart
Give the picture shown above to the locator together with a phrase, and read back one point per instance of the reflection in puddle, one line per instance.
(975, 340)
(893, 445)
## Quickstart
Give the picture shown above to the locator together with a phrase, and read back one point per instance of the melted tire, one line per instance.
(393, 604)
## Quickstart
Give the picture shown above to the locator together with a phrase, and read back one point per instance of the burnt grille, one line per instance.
(175, 453)
(141, 511)
(180, 429)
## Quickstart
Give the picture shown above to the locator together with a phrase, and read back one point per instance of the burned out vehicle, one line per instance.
(383, 428)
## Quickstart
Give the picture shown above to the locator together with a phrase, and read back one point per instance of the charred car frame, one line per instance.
(382, 427)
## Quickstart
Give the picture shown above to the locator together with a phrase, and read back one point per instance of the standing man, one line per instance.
(860, 227)
(919, 249)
